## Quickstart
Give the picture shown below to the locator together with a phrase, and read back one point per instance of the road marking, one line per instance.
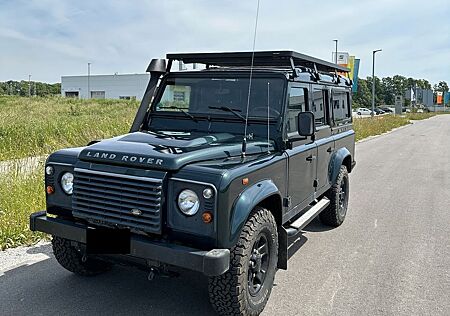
(326, 294)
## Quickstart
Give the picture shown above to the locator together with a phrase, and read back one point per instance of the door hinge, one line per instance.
(287, 201)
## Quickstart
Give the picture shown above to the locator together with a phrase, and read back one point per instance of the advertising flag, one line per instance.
(440, 97)
(355, 75)
(447, 98)
(345, 60)
(413, 95)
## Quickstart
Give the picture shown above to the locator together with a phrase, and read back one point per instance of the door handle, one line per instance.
(329, 150)
(311, 158)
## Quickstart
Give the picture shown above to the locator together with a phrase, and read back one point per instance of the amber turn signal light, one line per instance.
(50, 189)
(207, 217)
(245, 181)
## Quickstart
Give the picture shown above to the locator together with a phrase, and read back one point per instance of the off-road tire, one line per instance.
(334, 214)
(70, 258)
(230, 293)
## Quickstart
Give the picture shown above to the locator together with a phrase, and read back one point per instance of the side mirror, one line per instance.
(306, 124)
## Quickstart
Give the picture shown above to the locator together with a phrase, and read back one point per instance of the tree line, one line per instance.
(24, 88)
(387, 88)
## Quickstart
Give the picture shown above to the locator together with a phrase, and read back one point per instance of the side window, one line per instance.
(341, 107)
(298, 98)
(319, 106)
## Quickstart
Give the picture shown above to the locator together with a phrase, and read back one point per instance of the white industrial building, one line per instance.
(130, 86)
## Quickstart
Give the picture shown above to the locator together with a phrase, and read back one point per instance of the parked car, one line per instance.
(378, 111)
(199, 184)
(387, 110)
(363, 111)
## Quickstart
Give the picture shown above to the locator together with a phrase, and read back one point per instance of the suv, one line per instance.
(220, 167)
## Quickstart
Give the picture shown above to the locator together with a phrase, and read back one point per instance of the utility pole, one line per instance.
(373, 80)
(29, 86)
(335, 54)
(88, 81)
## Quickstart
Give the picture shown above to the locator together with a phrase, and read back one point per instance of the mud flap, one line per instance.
(282, 248)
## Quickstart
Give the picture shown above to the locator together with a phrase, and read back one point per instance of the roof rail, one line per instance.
(282, 59)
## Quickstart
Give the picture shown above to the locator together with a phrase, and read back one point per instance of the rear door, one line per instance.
(324, 140)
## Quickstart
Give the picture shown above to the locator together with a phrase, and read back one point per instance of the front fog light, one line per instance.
(207, 193)
(67, 182)
(49, 170)
(188, 202)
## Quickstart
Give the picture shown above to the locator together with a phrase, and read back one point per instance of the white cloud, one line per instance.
(51, 38)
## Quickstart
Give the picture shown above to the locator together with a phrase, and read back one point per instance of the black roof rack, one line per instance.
(261, 59)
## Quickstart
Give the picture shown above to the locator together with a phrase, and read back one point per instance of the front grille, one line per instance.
(116, 199)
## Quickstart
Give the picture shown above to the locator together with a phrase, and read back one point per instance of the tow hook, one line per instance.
(161, 272)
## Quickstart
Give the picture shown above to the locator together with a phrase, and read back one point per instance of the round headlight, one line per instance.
(67, 182)
(188, 202)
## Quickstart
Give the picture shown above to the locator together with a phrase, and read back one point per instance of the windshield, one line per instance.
(222, 96)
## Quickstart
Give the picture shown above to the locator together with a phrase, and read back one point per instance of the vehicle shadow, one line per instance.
(45, 288)
(316, 226)
(295, 243)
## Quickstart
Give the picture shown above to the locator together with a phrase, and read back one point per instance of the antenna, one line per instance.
(244, 140)
(268, 117)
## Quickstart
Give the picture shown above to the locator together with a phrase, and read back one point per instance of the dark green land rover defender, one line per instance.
(220, 167)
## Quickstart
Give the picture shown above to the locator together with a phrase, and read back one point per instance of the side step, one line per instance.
(295, 227)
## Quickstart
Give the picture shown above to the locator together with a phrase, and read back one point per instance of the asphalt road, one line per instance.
(390, 257)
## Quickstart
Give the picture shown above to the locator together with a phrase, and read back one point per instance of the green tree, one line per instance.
(442, 86)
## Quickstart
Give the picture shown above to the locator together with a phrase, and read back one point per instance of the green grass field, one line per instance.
(365, 127)
(39, 126)
(20, 194)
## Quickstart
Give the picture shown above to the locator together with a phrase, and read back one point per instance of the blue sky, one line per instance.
(50, 38)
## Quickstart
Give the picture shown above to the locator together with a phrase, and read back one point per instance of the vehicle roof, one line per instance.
(274, 59)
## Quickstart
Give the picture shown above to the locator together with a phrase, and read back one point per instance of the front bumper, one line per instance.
(211, 263)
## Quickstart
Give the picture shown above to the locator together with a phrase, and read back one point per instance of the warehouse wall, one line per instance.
(109, 86)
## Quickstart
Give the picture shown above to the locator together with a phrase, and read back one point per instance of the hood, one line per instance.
(168, 151)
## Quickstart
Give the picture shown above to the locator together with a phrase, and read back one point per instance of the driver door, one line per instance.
(303, 155)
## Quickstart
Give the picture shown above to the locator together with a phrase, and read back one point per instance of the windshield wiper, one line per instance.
(192, 117)
(228, 109)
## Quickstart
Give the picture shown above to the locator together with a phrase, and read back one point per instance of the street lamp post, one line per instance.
(373, 80)
(335, 54)
(29, 86)
(88, 83)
